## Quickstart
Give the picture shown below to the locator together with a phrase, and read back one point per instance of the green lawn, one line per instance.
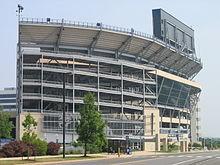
(39, 160)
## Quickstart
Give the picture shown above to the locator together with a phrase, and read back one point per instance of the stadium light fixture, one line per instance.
(20, 9)
(48, 20)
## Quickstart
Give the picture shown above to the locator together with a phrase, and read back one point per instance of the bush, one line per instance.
(15, 149)
(197, 145)
(53, 148)
(173, 147)
(93, 149)
(30, 150)
(40, 147)
(2, 154)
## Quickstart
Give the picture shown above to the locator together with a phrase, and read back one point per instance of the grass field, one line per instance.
(41, 160)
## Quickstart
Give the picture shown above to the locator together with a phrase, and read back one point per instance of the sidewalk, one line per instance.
(104, 155)
(96, 156)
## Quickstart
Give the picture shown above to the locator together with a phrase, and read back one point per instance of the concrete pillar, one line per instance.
(186, 146)
(157, 142)
(165, 145)
(182, 146)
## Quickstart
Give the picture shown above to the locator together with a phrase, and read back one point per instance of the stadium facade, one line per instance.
(142, 84)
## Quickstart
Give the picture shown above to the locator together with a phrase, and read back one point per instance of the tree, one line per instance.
(29, 136)
(29, 125)
(6, 125)
(91, 126)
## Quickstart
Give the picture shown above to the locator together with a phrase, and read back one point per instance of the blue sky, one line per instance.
(202, 15)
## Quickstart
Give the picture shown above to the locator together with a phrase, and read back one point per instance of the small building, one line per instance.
(8, 104)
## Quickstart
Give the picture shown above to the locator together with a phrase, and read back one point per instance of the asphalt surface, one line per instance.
(204, 158)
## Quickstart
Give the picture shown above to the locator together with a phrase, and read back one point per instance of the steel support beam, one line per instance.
(121, 49)
(95, 40)
(59, 35)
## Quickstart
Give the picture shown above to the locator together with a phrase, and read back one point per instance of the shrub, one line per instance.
(76, 152)
(197, 145)
(30, 150)
(2, 154)
(173, 147)
(40, 146)
(93, 149)
(53, 148)
(15, 149)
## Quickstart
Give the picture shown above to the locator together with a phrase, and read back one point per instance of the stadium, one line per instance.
(143, 84)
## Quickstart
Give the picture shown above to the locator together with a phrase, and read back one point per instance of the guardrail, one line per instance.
(47, 95)
(132, 117)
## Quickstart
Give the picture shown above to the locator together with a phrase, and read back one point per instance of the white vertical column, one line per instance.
(122, 86)
(143, 90)
(42, 81)
(145, 119)
(22, 77)
(73, 73)
(157, 94)
(122, 97)
(98, 87)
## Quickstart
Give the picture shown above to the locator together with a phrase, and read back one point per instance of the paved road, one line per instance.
(206, 158)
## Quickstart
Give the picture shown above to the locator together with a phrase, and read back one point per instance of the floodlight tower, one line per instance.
(19, 11)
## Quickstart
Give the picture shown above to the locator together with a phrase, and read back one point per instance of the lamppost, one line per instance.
(64, 119)
(64, 111)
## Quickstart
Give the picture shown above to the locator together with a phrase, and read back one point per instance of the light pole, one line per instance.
(64, 119)
(19, 11)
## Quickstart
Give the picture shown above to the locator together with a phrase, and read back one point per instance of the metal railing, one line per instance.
(110, 73)
(133, 91)
(110, 88)
(130, 117)
(32, 65)
(58, 96)
(110, 101)
(173, 131)
(47, 82)
(133, 76)
(133, 104)
(86, 70)
(86, 85)
(47, 95)
(114, 102)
